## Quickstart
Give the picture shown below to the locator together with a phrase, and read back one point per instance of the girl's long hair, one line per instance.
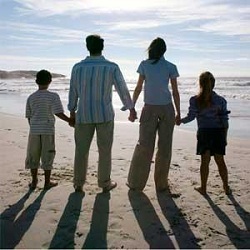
(156, 49)
(206, 82)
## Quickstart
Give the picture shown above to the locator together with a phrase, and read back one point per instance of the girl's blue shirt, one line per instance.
(215, 116)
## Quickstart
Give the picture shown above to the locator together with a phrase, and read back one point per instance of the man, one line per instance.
(90, 105)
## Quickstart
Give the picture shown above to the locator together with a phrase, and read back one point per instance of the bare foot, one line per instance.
(50, 185)
(200, 190)
(227, 190)
(111, 186)
(78, 189)
(33, 184)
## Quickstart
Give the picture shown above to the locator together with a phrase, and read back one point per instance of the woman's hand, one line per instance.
(178, 120)
(132, 115)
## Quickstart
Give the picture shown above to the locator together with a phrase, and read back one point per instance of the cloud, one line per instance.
(130, 24)
(193, 30)
(37, 35)
(59, 7)
(223, 17)
(62, 65)
(42, 30)
(227, 27)
(233, 60)
(39, 59)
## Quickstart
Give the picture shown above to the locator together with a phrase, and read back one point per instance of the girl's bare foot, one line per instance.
(200, 190)
(50, 185)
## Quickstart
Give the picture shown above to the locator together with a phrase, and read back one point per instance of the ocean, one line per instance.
(236, 90)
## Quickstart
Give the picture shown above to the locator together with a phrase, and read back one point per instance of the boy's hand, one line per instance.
(72, 122)
(72, 119)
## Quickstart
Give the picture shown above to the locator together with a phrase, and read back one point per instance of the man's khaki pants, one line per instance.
(154, 118)
(83, 137)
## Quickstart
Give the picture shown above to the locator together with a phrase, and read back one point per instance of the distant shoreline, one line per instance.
(28, 74)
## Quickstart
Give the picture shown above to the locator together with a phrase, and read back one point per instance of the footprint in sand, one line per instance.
(176, 165)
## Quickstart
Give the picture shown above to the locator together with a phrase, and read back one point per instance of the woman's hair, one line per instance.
(94, 44)
(43, 77)
(206, 82)
(156, 49)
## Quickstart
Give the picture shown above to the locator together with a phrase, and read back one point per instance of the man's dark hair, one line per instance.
(43, 77)
(94, 44)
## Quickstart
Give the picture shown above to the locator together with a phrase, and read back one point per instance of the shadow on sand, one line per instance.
(152, 228)
(13, 228)
(64, 237)
(179, 226)
(97, 236)
(240, 238)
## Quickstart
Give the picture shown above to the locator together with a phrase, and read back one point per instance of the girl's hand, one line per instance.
(178, 120)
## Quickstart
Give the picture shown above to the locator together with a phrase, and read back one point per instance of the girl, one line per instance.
(211, 113)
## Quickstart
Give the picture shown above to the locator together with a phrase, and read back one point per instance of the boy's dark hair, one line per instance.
(43, 77)
(94, 44)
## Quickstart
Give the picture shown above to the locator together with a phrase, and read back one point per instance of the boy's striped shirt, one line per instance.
(40, 109)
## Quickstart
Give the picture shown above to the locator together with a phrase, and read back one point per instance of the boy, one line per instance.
(40, 109)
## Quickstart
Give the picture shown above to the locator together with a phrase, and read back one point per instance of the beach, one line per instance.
(123, 219)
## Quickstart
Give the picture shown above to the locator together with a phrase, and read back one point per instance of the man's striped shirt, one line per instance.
(40, 109)
(90, 93)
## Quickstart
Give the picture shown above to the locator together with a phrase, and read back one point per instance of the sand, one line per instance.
(61, 218)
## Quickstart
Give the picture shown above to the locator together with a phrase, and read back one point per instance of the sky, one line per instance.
(200, 35)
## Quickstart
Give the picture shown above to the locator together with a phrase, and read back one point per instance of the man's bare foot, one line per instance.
(200, 190)
(50, 185)
(78, 189)
(111, 186)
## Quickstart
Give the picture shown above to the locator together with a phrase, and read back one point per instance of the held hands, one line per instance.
(132, 115)
(178, 120)
(71, 122)
(72, 119)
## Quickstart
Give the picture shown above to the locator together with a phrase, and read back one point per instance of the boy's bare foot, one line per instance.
(50, 185)
(33, 184)
(200, 190)
(227, 190)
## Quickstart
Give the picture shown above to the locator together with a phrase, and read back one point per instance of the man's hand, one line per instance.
(72, 122)
(72, 119)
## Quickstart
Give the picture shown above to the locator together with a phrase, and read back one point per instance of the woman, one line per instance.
(158, 116)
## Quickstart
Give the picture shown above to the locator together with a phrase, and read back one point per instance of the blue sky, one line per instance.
(201, 35)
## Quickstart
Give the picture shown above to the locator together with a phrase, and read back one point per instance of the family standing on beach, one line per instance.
(91, 110)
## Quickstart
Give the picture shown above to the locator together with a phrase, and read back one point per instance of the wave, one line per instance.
(242, 84)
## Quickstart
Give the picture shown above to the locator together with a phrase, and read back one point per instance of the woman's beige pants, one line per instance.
(154, 119)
